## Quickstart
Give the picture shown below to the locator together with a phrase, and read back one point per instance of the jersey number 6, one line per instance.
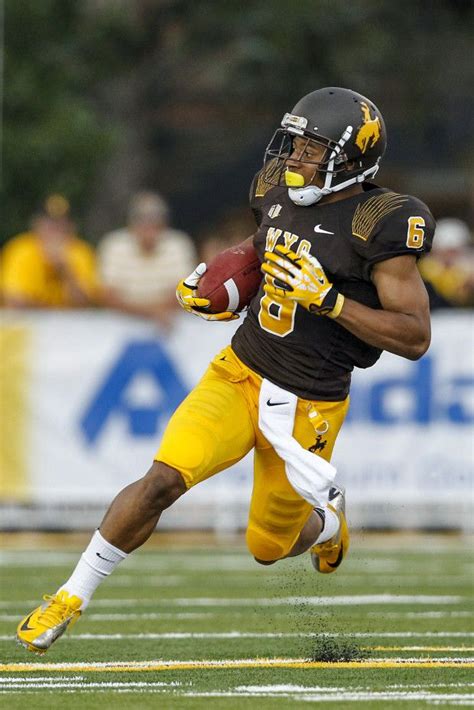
(415, 232)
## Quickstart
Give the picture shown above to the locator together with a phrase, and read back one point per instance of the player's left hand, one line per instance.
(301, 278)
(186, 293)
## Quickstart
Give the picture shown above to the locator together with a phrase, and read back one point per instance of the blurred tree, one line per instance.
(55, 135)
(106, 96)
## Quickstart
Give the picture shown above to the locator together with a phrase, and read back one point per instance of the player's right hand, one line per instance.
(303, 280)
(186, 293)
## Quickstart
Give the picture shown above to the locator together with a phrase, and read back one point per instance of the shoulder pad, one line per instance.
(261, 183)
(371, 212)
(262, 187)
(389, 224)
(258, 190)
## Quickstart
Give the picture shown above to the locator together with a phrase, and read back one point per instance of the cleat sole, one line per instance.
(31, 649)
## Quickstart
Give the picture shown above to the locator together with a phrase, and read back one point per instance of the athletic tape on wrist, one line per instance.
(336, 311)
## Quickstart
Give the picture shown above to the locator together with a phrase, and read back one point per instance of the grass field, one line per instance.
(184, 625)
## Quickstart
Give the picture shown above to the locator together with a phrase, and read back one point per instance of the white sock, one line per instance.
(98, 560)
(330, 527)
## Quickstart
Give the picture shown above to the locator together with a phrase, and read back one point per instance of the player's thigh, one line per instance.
(277, 512)
(210, 430)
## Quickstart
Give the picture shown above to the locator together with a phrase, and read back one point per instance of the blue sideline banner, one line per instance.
(87, 395)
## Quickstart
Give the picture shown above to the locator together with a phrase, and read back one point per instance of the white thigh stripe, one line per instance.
(309, 474)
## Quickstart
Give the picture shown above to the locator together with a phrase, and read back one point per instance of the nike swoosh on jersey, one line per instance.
(319, 230)
(274, 404)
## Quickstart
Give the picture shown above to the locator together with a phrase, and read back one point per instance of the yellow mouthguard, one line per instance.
(293, 179)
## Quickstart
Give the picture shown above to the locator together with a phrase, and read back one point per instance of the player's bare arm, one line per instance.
(403, 326)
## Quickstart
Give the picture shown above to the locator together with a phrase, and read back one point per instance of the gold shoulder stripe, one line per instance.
(264, 180)
(370, 212)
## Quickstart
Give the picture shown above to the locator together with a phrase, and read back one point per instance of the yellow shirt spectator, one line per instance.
(449, 268)
(48, 270)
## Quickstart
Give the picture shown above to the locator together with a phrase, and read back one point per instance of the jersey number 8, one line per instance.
(276, 316)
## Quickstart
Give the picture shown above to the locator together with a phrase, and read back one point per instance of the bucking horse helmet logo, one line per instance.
(369, 133)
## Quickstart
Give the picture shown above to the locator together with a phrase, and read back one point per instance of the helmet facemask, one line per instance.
(336, 170)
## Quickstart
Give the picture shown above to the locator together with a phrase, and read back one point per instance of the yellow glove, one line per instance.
(301, 279)
(186, 293)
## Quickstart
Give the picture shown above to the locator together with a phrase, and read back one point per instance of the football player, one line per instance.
(340, 285)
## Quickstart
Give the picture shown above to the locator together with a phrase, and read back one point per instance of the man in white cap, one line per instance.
(141, 263)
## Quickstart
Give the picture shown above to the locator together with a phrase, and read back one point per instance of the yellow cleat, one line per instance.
(48, 622)
(327, 556)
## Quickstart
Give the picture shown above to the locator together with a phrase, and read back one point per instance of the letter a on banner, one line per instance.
(139, 359)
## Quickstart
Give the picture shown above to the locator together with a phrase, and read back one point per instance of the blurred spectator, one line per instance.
(448, 270)
(228, 231)
(141, 264)
(49, 266)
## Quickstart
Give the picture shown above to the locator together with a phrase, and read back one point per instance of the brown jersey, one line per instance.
(310, 355)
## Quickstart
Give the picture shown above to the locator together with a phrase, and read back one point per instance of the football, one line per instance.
(232, 279)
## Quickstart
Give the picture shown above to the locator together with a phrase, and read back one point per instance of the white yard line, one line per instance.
(39, 679)
(48, 681)
(341, 600)
(187, 635)
(127, 617)
(109, 603)
(298, 693)
(345, 697)
(64, 683)
(182, 561)
(425, 649)
(421, 614)
(413, 686)
(430, 699)
(336, 600)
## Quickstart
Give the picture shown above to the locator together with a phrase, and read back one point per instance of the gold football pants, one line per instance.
(217, 425)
